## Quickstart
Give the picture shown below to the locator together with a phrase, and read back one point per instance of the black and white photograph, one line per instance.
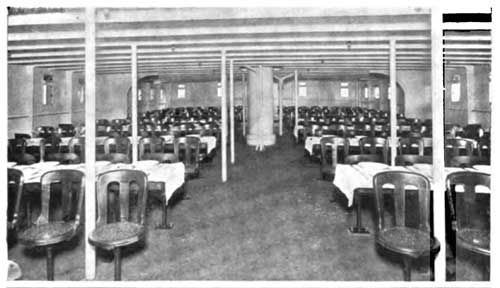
(248, 143)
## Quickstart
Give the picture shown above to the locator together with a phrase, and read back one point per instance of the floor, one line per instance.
(272, 220)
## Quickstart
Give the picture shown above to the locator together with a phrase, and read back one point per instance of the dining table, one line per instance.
(164, 177)
(356, 181)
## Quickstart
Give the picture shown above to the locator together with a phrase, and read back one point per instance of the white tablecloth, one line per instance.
(170, 174)
(350, 177)
(312, 140)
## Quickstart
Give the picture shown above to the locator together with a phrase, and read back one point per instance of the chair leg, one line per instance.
(50, 263)
(407, 268)
(118, 263)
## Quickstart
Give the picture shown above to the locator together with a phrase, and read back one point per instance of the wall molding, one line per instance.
(19, 116)
(51, 114)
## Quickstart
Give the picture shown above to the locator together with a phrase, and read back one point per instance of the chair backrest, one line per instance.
(191, 150)
(150, 145)
(469, 181)
(72, 189)
(454, 146)
(126, 180)
(483, 147)
(373, 143)
(403, 182)
(120, 145)
(15, 180)
(355, 159)
(66, 130)
(410, 159)
(76, 146)
(333, 142)
(408, 145)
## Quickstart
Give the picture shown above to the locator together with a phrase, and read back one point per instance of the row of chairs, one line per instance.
(60, 221)
(470, 230)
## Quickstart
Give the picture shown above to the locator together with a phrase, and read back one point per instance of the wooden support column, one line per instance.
(134, 122)
(393, 104)
(223, 108)
(280, 106)
(244, 103)
(494, 130)
(296, 79)
(438, 173)
(231, 107)
(90, 177)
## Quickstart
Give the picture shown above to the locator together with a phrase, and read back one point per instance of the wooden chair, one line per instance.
(410, 146)
(75, 154)
(470, 222)
(161, 157)
(15, 194)
(128, 225)
(190, 158)
(410, 241)
(56, 223)
(374, 145)
(116, 150)
(410, 159)
(484, 148)
(18, 149)
(457, 147)
(66, 130)
(149, 145)
(329, 160)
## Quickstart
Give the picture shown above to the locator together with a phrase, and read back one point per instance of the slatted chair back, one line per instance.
(410, 146)
(403, 182)
(15, 180)
(117, 145)
(465, 161)
(71, 187)
(355, 159)
(466, 213)
(150, 145)
(458, 146)
(372, 145)
(124, 180)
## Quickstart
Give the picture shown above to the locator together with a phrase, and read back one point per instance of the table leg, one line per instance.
(358, 229)
(164, 220)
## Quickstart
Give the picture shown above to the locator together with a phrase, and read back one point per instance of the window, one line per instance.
(366, 92)
(376, 92)
(139, 95)
(151, 93)
(47, 89)
(162, 94)
(302, 89)
(181, 91)
(219, 89)
(344, 89)
(81, 90)
(455, 89)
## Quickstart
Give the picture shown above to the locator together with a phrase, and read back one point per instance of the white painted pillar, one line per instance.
(438, 174)
(244, 104)
(90, 177)
(393, 104)
(495, 198)
(134, 122)
(231, 107)
(223, 108)
(280, 104)
(296, 103)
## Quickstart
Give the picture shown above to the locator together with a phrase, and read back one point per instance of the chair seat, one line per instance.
(112, 235)
(476, 240)
(48, 234)
(409, 241)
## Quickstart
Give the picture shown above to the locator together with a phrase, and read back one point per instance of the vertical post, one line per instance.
(90, 256)
(244, 104)
(280, 104)
(223, 108)
(296, 79)
(495, 245)
(393, 101)
(231, 107)
(438, 172)
(135, 152)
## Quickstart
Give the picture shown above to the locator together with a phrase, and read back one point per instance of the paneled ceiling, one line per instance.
(188, 41)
